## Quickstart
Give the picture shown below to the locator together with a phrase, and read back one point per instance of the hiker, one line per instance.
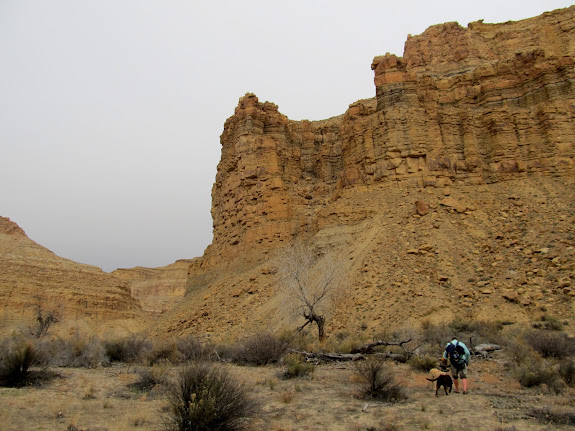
(458, 355)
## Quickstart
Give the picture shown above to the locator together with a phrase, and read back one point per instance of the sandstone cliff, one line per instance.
(157, 289)
(468, 105)
(450, 191)
(31, 275)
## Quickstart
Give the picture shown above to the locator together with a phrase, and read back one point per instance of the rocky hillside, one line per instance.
(31, 276)
(450, 192)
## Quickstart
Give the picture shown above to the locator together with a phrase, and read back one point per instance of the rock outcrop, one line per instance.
(441, 191)
(157, 289)
(463, 106)
(31, 276)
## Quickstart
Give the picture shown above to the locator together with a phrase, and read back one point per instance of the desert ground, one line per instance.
(103, 399)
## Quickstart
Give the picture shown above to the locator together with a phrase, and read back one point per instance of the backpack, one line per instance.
(456, 355)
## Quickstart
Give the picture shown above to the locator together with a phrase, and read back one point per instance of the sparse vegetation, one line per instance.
(422, 363)
(296, 366)
(77, 351)
(191, 349)
(378, 382)
(150, 377)
(17, 356)
(260, 349)
(549, 322)
(553, 416)
(206, 397)
(551, 344)
(567, 371)
(313, 280)
(129, 349)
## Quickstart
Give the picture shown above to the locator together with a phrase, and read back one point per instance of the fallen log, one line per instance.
(335, 357)
(368, 348)
(487, 348)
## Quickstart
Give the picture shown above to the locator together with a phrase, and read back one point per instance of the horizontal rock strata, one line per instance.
(31, 276)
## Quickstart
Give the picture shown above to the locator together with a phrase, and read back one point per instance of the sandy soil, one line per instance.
(102, 399)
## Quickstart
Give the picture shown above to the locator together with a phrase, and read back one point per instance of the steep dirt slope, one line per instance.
(503, 251)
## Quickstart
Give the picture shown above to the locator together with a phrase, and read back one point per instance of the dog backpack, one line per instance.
(457, 355)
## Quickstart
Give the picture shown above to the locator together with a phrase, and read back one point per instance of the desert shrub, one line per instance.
(150, 377)
(553, 416)
(261, 349)
(549, 322)
(422, 363)
(129, 349)
(567, 371)
(345, 343)
(535, 373)
(17, 356)
(298, 340)
(206, 397)
(377, 381)
(230, 352)
(519, 352)
(296, 366)
(436, 335)
(551, 344)
(162, 351)
(191, 349)
(77, 351)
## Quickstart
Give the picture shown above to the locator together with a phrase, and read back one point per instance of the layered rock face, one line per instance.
(449, 194)
(33, 276)
(157, 289)
(463, 106)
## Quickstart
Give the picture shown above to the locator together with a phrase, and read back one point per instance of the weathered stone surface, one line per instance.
(464, 106)
(31, 275)
(157, 289)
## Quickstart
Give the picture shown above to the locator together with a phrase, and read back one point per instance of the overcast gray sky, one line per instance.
(111, 110)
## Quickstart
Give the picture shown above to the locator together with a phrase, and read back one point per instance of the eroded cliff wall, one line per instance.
(474, 105)
(31, 276)
(450, 191)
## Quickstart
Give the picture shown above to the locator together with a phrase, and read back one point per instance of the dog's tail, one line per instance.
(432, 380)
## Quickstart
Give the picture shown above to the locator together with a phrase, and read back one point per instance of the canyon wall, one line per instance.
(448, 194)
(463, 106)
(31, 276)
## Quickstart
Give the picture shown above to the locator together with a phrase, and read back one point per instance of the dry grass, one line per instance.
(327, 400)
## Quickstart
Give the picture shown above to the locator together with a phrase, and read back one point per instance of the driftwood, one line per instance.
(358, 354)
(368, 348)
(483, 349)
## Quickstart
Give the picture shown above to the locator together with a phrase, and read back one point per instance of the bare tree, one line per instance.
(312, 280)
(45, 317)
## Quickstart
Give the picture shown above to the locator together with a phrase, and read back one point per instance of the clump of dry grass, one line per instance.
(297, 366)
(77, 351)
(191, 349)
(422, 363)
(18, 356)
(204, 397)
(550, 344)
(553, 416)
(260, 349)
(378, 382)
(134, 348)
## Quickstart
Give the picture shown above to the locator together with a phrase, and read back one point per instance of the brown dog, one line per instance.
(444, 380)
